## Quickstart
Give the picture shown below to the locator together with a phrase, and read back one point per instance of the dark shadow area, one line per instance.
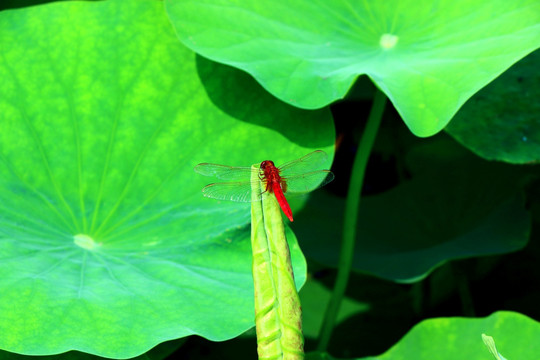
(198, 348)
(239, 95)
(494, 283)
(384, 165)
(18, 4)
(390, 317)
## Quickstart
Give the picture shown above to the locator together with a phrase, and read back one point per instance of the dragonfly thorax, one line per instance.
(270, 174)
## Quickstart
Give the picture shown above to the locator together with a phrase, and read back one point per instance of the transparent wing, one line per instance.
(223, 172)
(230, 191)
(305, 164)
(304, 183)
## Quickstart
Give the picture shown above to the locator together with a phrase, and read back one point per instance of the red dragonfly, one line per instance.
(294, 177)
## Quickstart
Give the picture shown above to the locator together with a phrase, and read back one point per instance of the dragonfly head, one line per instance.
(267, 163)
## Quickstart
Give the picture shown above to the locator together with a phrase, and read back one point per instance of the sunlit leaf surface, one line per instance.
(427, 57)
(107, 245)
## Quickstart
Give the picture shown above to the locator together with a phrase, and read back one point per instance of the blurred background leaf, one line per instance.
(315, 297)
(516, 336)
(454, 206)
(502, 121)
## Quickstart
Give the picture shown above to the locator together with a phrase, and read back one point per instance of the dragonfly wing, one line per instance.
(305, 164)
(224, 172)
(304, 183)
(230, 191)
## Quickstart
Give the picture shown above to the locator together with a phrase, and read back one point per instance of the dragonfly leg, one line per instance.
(267, 184)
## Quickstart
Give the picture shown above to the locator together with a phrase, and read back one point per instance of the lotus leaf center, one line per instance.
(388, 41)
(85, 241)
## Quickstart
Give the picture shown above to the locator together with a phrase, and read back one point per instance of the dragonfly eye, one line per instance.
(264, 164)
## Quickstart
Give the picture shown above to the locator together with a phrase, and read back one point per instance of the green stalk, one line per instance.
(462, 282)
(351, 217)
(278, 315)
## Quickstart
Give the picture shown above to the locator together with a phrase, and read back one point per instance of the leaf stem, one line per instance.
(460, 276)
(351, 217)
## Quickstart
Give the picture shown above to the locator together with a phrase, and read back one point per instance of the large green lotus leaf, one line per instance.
(160, 352)
(428, 57)
(516, 337)
(502, 121)
(455, 208)
(107, 245)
